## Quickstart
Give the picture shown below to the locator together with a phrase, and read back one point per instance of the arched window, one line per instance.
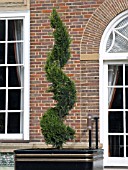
(115, 37)
(114, 91)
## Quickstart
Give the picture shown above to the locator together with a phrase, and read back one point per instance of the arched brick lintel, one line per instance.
(96, 25)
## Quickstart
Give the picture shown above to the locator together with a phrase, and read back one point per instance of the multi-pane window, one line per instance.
(114, 91)
(117, 109)
(12, 77)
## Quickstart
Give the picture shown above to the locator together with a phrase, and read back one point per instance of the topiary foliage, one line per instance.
(64, 92)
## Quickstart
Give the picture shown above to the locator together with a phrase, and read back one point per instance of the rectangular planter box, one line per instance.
(75, 159)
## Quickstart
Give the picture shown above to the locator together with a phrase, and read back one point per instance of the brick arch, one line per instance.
(96, 25)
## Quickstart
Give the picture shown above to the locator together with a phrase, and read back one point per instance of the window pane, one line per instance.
(14, 97)
(19, 53)
(11, 53)
(2, 30)
(119, 45)
(126, 146)
(15, 30)
(115, 75)
(15, 53)
(126, 74)
(126, 122)
(119, 76)
(2, 53)
(126, 93)
(116, 146)
(2, 122)
(115, 98)
(2, 99)
(13, 123)
(115, 122)
(2, 76)
(14, 76)
(112, 69)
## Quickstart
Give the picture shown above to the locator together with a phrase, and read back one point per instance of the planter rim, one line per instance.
(56, 151)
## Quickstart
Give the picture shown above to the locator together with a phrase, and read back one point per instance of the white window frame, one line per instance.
(25, 15)
(105, 59)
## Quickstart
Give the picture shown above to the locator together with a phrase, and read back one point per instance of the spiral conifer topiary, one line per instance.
(52, 124)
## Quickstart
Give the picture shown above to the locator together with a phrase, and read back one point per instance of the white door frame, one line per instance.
(111, 161)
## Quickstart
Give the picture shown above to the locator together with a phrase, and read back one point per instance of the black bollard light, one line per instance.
(89, 126)
(96, 122)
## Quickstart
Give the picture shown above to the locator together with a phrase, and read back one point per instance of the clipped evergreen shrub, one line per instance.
(55, 131)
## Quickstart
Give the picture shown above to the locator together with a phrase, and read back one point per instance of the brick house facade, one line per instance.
(75, 14)
(86, 21)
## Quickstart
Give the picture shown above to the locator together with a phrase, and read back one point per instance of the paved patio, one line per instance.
(116, 168)
(12, 168)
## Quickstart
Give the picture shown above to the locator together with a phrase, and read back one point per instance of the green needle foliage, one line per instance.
(52, 124)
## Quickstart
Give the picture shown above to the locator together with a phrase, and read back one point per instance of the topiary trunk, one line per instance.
(52, 124)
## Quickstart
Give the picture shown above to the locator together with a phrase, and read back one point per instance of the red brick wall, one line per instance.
(86, 23)
(98, 22)
(75, 14)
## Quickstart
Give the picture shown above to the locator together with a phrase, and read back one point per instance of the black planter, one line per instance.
(49, 159)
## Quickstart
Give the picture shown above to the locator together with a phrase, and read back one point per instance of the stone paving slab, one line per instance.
(6, 168)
